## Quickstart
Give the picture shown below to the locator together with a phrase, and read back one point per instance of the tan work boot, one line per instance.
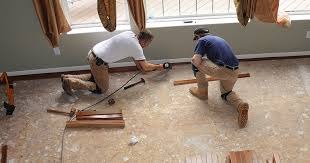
(201, 91)
(243, 109)
(78, 84)
(66, 86)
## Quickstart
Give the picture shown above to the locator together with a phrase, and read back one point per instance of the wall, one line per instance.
(24, 47)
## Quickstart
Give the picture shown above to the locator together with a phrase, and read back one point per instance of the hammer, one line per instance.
(131, 85)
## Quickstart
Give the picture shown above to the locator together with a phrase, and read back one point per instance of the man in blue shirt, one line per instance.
(223, 64)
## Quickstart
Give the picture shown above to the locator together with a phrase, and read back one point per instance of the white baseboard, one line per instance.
(177, 60)
(269, 55)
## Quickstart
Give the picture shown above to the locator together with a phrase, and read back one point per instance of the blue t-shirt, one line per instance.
(217, 50)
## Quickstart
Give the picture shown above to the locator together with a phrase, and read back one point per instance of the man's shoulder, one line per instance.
(127, 33)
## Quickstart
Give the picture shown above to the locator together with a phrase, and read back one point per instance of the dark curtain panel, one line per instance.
(137, 10)
(107, 14)
(52, 19)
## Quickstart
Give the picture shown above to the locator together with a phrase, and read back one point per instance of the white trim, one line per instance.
(174, 22)
(269, 55)
(177, 60)
(48, 70)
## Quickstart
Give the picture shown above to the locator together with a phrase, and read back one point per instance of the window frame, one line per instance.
(165, 19)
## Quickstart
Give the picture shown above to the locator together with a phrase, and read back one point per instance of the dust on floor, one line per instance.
(168, 122)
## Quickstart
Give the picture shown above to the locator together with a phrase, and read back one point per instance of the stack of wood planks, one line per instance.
(246, 156)
(107, 118)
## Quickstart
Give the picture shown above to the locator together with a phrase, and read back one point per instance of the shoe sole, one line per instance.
(65, 86)
(243, 115)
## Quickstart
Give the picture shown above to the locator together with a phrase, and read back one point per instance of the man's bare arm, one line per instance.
(139, 66)
(197, 60)
(146, 66)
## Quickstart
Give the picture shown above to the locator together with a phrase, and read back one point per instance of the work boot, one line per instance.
(243, 114)
(242, 107)
(201, 91)
(78, 84)
(66, 86)
(62, 76)
(85, 77)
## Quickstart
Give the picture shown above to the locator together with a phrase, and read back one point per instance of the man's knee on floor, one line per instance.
(224, 95)
(97, 90)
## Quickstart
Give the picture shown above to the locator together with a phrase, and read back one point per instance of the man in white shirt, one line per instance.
(124, 45)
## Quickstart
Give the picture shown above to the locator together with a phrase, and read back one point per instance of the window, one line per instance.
(295, 6)
(185, 8)
(84, 12)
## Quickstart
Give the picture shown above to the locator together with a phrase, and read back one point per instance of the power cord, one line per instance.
(86, 108)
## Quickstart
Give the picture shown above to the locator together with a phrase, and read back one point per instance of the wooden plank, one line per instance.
(96, 123)
(100, 112)
(204, 159)
(57, 112)
(209, 157)
(188, 160)
(233, 157)
(4, 153)
(215, 158)
(241, 156)
(94, 117)
(276, 158)
(191, 81)
(198, 159)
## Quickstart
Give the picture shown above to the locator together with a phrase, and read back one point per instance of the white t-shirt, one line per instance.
(119, 47)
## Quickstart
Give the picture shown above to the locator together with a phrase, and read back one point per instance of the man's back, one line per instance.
(119, 47)
(217, 50)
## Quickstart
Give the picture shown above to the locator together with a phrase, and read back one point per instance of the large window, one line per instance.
(184, 8)
(85, 11)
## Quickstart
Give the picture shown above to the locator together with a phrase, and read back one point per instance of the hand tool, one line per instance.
(131, 85)
(70, 114)
(167, 65)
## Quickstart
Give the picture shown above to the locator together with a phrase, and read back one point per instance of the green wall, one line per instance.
(24, 47)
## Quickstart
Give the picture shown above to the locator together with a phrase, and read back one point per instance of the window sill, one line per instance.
(162, 23)
(192, 21)
(94, 28)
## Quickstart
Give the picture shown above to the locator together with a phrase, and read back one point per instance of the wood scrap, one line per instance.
(100, 112)
(94, 117)
(246, 156)
(275, 158)
(191, 81)
(207, 158)
(57, 112)
(71, 113)
(96, 123)
(4, 152)
(241, 156)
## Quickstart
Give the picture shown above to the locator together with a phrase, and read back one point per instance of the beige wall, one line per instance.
(24, 47)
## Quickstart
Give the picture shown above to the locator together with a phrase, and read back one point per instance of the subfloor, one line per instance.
(168, 121)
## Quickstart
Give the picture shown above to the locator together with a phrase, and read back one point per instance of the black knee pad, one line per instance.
(224, 95)
(97, 90)
(195, 69)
